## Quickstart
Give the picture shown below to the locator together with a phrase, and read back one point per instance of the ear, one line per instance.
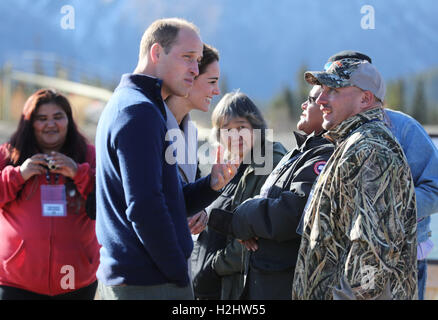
(155, 52)
(367, 100)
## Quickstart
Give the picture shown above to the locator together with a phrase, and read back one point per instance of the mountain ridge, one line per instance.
(262, 43)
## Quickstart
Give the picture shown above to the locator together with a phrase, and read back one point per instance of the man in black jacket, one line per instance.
(267, 224)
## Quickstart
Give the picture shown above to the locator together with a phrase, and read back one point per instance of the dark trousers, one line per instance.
(165, 291)
(12, 293)
(268, 285)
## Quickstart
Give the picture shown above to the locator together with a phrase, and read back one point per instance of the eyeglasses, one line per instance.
(311, 99)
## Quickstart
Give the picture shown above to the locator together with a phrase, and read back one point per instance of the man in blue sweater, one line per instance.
(142, 205)
(422, 156)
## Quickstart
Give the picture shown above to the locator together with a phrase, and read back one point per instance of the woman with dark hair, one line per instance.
(48, 246)
(239, 127)
(179, 124)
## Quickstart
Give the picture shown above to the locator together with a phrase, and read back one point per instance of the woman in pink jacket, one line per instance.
(48, 246)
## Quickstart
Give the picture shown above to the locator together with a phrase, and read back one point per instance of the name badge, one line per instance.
(53, 201)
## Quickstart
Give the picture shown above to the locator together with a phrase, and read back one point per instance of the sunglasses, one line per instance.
(328, 65)
(311, 99)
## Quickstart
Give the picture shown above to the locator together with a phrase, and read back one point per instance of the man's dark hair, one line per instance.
(209, 55)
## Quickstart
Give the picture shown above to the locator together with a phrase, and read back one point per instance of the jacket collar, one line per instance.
(251, 164)
(348, 126)
(148, 85)
(304, 141)
(186, 134)
(299, 138)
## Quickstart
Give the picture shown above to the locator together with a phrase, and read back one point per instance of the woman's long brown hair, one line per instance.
(23, 144)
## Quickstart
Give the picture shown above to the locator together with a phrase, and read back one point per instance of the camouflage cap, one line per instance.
(349, 54)
(349, 72)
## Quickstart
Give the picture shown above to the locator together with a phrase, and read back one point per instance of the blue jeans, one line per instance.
(422, 277)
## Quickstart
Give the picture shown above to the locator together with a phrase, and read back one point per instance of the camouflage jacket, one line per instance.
(360, 223)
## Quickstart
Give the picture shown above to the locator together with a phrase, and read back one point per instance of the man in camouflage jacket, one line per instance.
(359, 227)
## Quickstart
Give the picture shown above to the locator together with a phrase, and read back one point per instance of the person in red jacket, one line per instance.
(48, 246)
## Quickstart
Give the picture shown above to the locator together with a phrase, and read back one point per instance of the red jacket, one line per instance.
(44, 254)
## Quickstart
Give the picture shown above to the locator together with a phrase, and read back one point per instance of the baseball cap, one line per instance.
(346, 54)
(349, 72)
(349, 54)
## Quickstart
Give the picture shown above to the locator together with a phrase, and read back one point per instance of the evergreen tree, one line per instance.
(419, 102)
(96, 82)
(284, 100)
(60, 71)
(434, 113)
(395, 95)
(303, 88)
(38, 67)
(279, 114)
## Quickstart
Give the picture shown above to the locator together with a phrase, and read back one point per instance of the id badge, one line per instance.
(53, 201)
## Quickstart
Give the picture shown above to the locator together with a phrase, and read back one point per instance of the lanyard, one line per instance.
(48, 177)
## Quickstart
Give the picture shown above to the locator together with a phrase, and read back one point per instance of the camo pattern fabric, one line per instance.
(360, 224)
(337, 75)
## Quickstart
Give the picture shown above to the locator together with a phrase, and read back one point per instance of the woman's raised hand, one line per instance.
(222, 171)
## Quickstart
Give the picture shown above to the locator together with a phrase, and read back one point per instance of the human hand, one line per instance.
(250, 244)
(63, 165)
(198, 222)
(34, 165)
(222, 171)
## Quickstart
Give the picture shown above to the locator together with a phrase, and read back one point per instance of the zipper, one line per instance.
(50, 255)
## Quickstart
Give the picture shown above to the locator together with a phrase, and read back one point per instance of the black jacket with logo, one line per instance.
(218, 261)
(275, 218)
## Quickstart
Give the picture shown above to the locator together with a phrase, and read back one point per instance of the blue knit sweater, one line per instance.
(142, 205)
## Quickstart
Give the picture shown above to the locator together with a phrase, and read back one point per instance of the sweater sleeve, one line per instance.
(11, 180)
(414, 140)
(198, 195)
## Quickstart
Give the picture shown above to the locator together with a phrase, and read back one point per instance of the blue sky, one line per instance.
(262, 43)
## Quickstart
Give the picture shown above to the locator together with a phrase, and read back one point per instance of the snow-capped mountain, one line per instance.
(262, 43)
